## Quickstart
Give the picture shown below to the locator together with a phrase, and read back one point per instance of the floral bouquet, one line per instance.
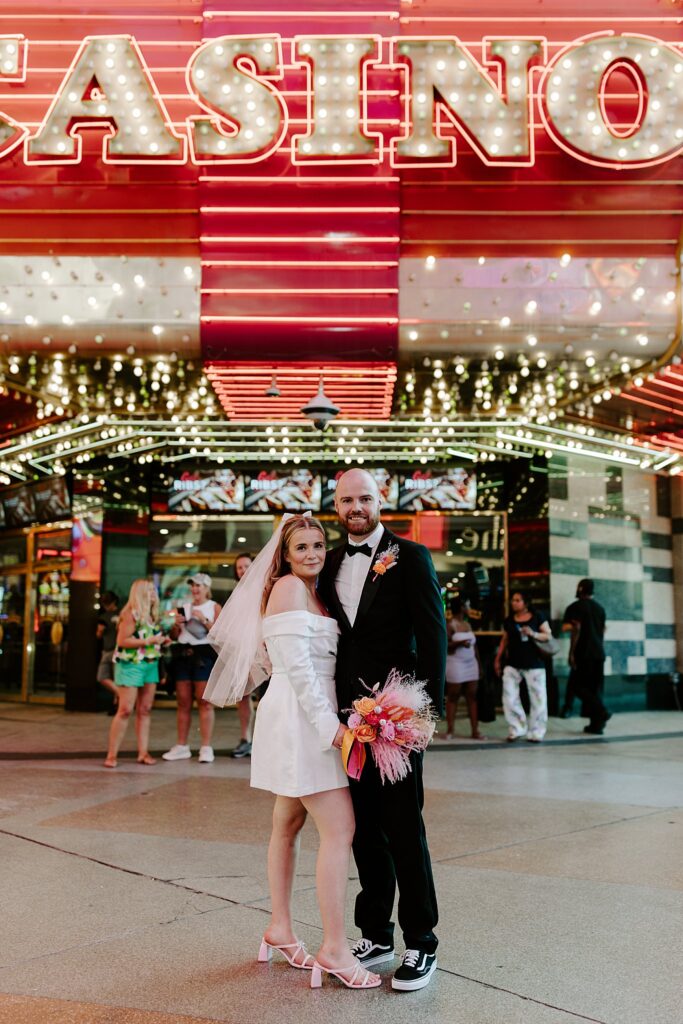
(393, 721)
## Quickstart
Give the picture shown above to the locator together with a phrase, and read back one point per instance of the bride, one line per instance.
(297, 733)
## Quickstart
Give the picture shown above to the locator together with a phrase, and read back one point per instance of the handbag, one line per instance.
(196, 629)
(548, 648)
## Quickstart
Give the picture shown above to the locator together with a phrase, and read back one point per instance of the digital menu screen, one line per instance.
(19, 506)
(201, 493)
(273, 491)
(51, 499)
(438, 490)
(386, 481)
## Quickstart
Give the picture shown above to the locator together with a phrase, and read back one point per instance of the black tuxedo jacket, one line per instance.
(400, 623)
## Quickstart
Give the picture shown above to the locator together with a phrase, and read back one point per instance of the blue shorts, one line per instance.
(193, 663)
(136, 673)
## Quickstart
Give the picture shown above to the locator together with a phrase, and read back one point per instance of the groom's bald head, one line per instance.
(357, 502)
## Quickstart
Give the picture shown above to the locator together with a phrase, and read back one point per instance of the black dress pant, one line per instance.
(390, 849)
(587, 680)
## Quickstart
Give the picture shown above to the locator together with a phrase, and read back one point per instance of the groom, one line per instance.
(393, 619)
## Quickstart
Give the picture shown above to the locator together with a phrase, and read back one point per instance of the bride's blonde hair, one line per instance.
(280, 566)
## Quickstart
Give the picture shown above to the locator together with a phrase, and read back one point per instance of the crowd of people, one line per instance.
(131, 666)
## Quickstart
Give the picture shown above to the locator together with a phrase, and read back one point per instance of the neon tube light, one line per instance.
(496, 102)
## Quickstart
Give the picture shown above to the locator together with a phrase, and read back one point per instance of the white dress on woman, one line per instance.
(296, 721)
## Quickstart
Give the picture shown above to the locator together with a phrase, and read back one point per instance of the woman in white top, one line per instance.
(463, 669)
(297, 736)
(193, 662)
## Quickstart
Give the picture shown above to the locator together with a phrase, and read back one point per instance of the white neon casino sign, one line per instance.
(236, 83)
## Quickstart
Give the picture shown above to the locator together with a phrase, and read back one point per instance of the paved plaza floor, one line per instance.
(139, 896)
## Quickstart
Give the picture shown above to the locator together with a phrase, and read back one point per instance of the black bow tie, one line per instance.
(356, 549)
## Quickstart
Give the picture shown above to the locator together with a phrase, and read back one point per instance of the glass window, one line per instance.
(12, 595)
(50, 629)
(12, 550)
(469, 557)
(228, 535)
(663, 494)
(53, 545)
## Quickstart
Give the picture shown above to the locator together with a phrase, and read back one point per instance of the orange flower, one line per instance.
(399, 714)
(364, 705)
(379, 568)
(365, 733)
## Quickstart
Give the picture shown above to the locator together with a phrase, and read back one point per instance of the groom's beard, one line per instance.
(359, 526)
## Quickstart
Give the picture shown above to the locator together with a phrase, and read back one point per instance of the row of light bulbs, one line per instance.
(459, 386)
(65, 384)
(95, 440)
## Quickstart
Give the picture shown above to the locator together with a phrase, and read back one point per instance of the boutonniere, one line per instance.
(385, 561)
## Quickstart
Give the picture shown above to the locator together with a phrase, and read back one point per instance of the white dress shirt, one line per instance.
(353, 572)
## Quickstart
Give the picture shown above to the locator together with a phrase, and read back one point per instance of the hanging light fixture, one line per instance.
(273, 391)
(320, 409)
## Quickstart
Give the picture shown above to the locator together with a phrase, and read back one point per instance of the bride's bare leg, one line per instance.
(332, 812)
(289, 815)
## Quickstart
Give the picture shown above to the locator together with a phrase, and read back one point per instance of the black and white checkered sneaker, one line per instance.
(415, 971)
(371, 953)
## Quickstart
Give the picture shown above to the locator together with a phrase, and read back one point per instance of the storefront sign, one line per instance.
(201, 493)
(298, 490)
(481, 538)
(438, 490)
(45, 501)
(237, 82)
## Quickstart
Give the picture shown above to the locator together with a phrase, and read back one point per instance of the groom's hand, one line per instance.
(337, 741)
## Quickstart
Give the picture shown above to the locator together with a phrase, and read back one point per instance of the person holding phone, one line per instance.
(525, 662)
(195, 657)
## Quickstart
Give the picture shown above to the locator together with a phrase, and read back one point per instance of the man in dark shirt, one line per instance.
(107, 625)
(586, 620)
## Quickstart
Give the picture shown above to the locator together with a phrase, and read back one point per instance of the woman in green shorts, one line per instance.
(136, 668)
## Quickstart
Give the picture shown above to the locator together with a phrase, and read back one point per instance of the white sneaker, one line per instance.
(205, 755)
(177, 753)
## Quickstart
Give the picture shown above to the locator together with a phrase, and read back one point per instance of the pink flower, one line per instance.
(372, 719)
(387, 729)
(354, 721)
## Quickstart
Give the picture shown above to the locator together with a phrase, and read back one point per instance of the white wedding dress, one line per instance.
(296, 721)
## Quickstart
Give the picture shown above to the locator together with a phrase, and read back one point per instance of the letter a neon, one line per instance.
(108, 85)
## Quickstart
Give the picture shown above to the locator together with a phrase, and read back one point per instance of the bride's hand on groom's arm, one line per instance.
(337, 741)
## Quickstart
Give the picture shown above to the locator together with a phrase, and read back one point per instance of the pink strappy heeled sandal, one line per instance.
(360, 977)
(265, 954)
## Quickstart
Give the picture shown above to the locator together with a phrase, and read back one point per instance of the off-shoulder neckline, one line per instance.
(299, 611)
